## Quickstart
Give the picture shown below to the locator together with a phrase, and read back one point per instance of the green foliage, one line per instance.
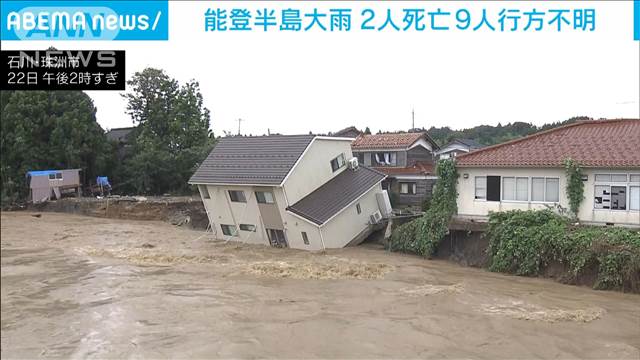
(520, 241)
(575, 186)
(423, 235)
(49, 130)
(172, 136)
(490, 135)
(525, 242)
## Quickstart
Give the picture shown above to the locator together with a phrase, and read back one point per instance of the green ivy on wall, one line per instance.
(575, 186)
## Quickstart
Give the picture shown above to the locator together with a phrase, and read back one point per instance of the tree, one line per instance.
(367, 131)
(49, 130)
(172, 135)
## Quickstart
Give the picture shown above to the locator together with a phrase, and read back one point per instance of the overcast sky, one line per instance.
(321, 82)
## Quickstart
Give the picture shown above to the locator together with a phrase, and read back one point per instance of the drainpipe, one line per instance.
(322, 239)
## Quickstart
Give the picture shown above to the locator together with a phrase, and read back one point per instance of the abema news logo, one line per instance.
(85, 20)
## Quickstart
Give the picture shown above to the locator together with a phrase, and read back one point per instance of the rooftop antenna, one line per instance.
(239, 121)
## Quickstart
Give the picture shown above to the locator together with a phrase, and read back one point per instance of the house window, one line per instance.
(237, 196)
(337, 162)
(618, 197)
(358, 209)
(408, 188)
(305, 238)
(264, 197)
(634, 198)
(545, 189)
(515, 188)
(360, 157)
(58, 176)
(385, 158)
(229, 230)
(493, 188)
(481, 187)
(248, 227)
(617, 192)
(52, 176)
(204, 191)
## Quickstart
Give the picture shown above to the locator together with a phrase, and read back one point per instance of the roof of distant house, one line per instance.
(348, 131)
(595, 143)
(390, 141)
(469, 142)
(336, 194)
(254, 160)
(119, 134)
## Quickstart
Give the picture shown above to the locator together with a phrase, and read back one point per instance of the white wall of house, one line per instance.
(468, 205)
(314, 167)
(221, 210)
(348, 224)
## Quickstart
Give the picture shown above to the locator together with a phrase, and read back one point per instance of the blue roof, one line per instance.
(42, 172)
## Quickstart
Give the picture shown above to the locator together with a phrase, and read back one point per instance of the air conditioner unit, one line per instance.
(353, 163)
(375, 217)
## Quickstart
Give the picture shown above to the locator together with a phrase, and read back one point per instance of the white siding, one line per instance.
(469, 206)
(314, 168)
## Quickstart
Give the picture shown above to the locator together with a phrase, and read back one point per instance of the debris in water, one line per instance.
(36, 215)
(337, 269)
(141, 257)
(524, 311)
(429, 289)
(147, 246)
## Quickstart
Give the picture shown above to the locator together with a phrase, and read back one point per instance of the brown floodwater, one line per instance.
(78, 287)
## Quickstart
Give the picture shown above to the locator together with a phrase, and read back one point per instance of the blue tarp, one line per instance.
(42, 172)
(103, 180)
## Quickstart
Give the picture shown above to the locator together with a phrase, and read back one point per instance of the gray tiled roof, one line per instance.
(260, 160)
(336, 194)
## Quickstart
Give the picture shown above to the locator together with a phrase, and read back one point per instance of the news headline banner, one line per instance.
(63, 69)
(85, 20)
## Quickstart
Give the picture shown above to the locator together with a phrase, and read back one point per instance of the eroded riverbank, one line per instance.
(75, 286)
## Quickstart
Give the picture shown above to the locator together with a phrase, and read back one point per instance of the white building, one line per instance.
(528, 173)
(299, 191)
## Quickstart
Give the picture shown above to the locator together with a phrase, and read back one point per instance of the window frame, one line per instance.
(247, 227)
(630, 183)
(515, 189)
(273, 199)
(412, 185)
(231, 228)
(305, 237)
(393, 155)
(475, 188)
(237, 200)
(340, 162)
(358, 209)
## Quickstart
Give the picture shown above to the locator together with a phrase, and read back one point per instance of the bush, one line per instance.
(422, 236)
(524, 242)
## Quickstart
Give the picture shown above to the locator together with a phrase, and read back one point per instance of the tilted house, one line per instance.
(299, 191)
(406, 158)
(47, 184)
(528, 173)
(457, 147)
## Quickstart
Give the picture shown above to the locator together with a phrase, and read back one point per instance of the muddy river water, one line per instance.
(78, 287)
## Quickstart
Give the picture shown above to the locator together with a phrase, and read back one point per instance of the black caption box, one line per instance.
(63, 70)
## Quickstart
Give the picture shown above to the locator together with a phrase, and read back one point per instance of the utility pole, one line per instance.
(239, 121)
(413, 119)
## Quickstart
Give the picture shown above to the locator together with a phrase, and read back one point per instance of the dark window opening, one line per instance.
(493, 188)
(305, 238)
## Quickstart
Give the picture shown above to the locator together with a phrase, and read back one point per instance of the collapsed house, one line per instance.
(299, 191)
(528, 173)
(47, 184)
